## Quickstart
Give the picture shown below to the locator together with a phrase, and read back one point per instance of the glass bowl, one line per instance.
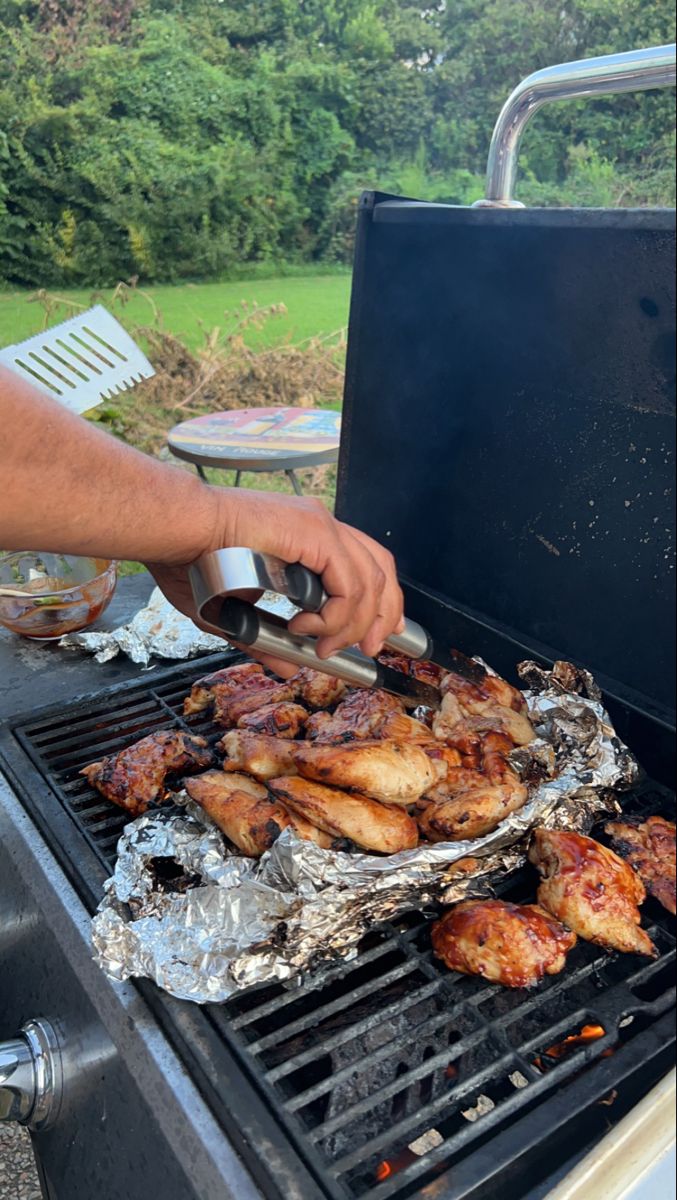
(43, 596)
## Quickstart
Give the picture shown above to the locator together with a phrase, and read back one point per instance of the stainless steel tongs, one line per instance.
(221, 581)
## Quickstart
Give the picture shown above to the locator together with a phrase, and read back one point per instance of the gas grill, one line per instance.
(508, 431)
(359, 1077)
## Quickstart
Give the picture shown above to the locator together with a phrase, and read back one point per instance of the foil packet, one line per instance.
(160, 630)
(203, 921)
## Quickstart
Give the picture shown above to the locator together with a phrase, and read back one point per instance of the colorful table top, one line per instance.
(273, 439)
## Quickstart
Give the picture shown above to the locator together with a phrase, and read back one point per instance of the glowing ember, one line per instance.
(589, 1033)
(391, 1166)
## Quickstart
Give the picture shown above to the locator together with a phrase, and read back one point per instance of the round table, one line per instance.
(259, 439)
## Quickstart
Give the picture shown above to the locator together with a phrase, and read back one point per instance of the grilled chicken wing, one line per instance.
(318, 690)
(359, 716)
(371, 825)
(225, 682)
(512, 944)
(135, 776)
(284, 720)
(470, 803)
(258, 753)
(590, 889)
(241, 808)
(479, 706)
(649, 847)
(393, 772)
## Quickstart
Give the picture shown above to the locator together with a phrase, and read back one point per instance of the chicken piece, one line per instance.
(418, 668)
(649, 847)
(471, 803)
(403, 728)
(223, 682)
(318, 690)
(135, 777)
(241, 808)
(284, 720)
(393, 772)
(258, 753)
(480, 706)
(357, 717)
(255, 693)
(365, 822)
(512, 944)
(590, 889)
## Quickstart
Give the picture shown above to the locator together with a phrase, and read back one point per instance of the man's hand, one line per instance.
(365, 600)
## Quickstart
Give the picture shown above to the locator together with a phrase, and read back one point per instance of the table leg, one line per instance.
(201, 472)
(294, 482)
(238, 477)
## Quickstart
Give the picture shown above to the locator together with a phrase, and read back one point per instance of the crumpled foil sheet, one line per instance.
(160, 630)
(218, 921)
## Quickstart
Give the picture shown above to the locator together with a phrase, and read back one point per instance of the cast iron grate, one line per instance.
(370, 1067)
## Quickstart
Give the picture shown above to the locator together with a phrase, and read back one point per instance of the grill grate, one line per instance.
(386, 1052)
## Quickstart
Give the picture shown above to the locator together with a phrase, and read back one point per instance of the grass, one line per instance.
(315, 304)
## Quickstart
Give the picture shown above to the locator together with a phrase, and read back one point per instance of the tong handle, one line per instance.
(305, 590)
(250, 626)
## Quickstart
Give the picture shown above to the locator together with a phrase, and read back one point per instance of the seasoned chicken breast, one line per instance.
(284, 720)
(649, 847)
(512, 944)
(258, 691)
(224, 682)
(257, 753)
(135, 777)
(365, 822)
(471, 803)
(590, 889)
(241, 808)
(394, 772)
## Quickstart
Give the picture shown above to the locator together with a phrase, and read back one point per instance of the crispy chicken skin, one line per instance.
(241, 808)
(258, 753)
(284, 720)
(418, 668)
(318, 690)
(403, 728)
(359, 716)
(590, 889)
(371, 825)
(225, 682)
(135, 776)
(469, 803)
(479, 706)
(649, 847)
(393, 772)
(512, 944)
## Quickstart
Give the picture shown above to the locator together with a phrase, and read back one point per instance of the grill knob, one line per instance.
(30, 1076)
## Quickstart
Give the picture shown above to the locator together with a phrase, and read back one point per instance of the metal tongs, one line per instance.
(221, 579)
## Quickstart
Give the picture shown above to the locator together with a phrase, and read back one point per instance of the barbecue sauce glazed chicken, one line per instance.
(135, 777)
(512, 944)
(591, 890)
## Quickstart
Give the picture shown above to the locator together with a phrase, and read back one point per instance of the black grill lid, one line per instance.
(508, 423)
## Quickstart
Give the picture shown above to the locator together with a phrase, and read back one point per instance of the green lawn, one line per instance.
(316, 304)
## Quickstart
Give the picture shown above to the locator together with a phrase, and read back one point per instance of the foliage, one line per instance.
(169, 139)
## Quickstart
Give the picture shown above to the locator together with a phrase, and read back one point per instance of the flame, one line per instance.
(589, 1033)
(383, 1170)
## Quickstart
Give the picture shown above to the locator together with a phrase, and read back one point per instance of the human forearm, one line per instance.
(68, 486)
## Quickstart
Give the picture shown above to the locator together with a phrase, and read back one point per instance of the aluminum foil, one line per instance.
(187, 911)
(160, 630)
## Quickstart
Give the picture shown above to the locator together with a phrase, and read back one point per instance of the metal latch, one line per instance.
(31, 1076)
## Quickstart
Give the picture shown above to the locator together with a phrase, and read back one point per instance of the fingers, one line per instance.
(365, 601)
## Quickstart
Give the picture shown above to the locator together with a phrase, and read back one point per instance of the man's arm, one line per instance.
(67, 486)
